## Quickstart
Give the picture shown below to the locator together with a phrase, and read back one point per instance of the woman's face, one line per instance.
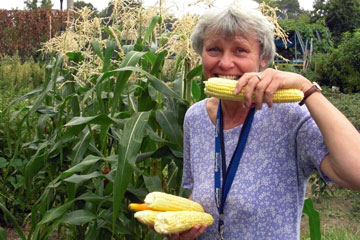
(230, 57)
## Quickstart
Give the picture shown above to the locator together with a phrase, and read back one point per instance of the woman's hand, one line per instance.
(264, 84)
(190, 234)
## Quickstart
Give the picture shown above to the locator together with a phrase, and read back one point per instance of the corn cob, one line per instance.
(166, 202)
(224, 89)
(139, 207)
(174, 222)
(147, 216)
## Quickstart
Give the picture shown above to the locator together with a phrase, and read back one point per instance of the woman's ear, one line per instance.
(263, 63)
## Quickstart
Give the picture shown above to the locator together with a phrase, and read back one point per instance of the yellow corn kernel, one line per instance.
(139, 207)
(179, 221)
(147, 216)
(166, 202)
(224, 89)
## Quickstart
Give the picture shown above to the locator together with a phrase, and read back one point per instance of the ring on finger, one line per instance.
(258, 77)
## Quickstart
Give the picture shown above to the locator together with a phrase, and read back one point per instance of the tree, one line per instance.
(340, 16)
(30, 4)
(33, 4)
(290, 8)
(81, 4)
(46, 4)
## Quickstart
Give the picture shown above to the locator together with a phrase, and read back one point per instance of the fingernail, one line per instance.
(236, 91)
(247, 104)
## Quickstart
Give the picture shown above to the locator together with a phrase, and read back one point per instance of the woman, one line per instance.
(285, 143)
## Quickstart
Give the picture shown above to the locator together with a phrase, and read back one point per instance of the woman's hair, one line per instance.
(239, 18)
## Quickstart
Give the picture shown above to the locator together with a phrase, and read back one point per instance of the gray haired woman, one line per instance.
(250, 173)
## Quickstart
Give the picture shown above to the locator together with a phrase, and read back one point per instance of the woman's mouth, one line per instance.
(231, 77)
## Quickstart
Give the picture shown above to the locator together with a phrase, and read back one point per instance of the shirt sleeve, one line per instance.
(187, 178)
(311, 147)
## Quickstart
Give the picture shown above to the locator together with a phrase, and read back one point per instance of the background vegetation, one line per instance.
(95, 121)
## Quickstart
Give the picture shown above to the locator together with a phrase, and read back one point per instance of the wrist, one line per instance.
(306, 85)
(313, 89)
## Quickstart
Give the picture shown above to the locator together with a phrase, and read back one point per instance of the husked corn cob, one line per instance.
(166, 202)
(139, 207)
(146, 216)
(179, 221)
(224, 89)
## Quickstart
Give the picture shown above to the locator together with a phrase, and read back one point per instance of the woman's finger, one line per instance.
(249, 90)
(193, 233)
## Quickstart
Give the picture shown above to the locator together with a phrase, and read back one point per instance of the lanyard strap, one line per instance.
(222, 189)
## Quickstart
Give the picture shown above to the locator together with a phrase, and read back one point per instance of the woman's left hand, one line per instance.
(190, 234)
(264, 84)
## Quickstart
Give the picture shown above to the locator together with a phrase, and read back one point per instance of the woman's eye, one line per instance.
(240, 50)
(214, 49)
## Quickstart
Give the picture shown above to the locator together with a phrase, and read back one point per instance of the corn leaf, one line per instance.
(129, 146)
(131, 59)
(109, 51)
(101, 119)
(3, 234)
(83, 165)
(154, 81)
(169, 124)
(13, 221)
(152, 183)
(150, 29)
(55, 213)
(314, 219)
(82, 178)
(78, 217)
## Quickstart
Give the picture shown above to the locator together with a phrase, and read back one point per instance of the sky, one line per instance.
(102, 4)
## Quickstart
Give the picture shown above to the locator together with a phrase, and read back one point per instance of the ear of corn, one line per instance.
(166, 202)
(146, 216)
(224, 89)
(139, 207)
(174, 222)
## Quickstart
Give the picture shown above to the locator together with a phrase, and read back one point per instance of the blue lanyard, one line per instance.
(221, 190)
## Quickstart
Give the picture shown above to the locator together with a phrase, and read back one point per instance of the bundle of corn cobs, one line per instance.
(170, 214)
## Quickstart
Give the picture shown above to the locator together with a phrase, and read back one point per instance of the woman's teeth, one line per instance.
(231, 77)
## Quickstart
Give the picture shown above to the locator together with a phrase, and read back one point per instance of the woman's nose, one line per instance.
(226, 61)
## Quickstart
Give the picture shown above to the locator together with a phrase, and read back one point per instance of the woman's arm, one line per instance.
(342, 139)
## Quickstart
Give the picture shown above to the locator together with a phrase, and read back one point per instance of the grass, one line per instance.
(339, 214)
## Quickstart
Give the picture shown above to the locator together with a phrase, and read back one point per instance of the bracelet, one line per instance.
(308, 92)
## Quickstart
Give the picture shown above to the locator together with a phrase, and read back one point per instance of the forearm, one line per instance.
(342, 140)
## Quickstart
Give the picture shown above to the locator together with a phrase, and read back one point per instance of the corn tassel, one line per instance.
(139, 207)
(224, 89)
(174, 222)
(147, 216)
(166, 202)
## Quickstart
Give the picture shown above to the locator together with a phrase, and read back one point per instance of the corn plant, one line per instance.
(100, 145)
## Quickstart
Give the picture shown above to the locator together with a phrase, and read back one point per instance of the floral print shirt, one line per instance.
(266, 198)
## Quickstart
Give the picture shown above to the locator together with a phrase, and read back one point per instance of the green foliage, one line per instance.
(81, 4)
(33, 4)
(16, 74)
(339, 16)
(316, 31)
(341, 66)
(46, 4)
(77, 155)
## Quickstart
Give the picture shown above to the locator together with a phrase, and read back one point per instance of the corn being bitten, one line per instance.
(224, 89)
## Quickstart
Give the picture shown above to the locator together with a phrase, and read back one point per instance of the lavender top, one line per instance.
(266, 198)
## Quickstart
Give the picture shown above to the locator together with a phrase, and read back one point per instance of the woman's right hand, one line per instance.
(190, 234)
